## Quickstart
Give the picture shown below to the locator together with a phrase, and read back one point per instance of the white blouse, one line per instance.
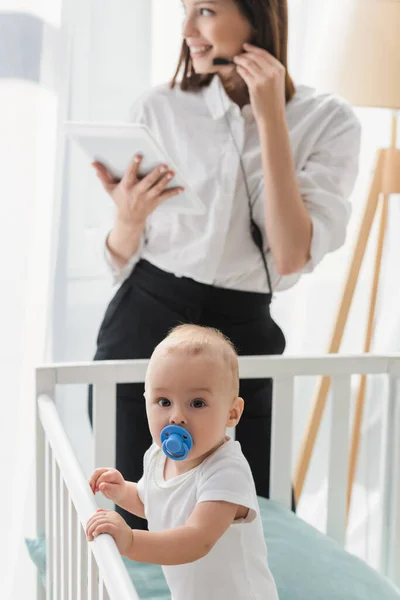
(216, 247)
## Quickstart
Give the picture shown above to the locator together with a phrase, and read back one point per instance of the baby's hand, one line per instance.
(107, 521)
(109, 482)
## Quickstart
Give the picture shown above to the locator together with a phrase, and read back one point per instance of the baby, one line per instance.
(197, 490)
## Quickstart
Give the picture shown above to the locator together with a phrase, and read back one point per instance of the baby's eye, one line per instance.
(208, 10)
(164, 402)
(198, 403)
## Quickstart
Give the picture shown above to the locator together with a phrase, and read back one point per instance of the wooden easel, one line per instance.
(385, 181)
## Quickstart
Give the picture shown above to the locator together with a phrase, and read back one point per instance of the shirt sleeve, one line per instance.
(228, 480)
(119, 274)
(327, 180)
(140, 486)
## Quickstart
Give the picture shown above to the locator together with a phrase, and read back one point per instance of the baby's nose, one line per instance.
(177, 418)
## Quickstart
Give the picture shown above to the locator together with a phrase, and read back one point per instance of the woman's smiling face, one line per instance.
(214, 28)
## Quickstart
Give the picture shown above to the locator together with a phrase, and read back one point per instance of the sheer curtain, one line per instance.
(29, 101)
(58, 60)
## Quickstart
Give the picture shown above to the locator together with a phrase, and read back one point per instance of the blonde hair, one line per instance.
(196, 340)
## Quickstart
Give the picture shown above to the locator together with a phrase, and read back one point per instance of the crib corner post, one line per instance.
(40, 496)
(45, 384)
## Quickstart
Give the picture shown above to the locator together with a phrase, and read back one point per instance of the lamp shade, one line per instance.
(358, 57)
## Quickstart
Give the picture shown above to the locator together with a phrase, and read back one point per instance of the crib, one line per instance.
(64, 502)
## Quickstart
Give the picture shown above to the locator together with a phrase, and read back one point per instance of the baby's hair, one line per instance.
(197, 339)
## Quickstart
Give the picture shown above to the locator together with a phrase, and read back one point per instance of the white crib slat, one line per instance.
(281, 440)
(92, 576)
(104, 592)
(104, 430)
(82, 577)
(104, 418)
(394, 554)
(385, 476)
(390, 484)
(72, 549)
(56, 525)
(49, 519)
(64, 526)
(339, 458)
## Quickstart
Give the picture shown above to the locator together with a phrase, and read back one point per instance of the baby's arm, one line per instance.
(112, 485)
(130, 501)
(207, 523)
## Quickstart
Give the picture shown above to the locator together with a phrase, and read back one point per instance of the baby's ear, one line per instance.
(235, 412)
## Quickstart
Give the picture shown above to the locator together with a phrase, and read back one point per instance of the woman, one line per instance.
(269, 161)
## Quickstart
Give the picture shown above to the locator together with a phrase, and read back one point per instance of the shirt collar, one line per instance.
(219, 102)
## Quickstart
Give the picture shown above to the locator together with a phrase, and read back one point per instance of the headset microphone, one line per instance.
(222, 61)
(254, 228)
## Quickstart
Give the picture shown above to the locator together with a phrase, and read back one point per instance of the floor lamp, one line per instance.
(364, 68)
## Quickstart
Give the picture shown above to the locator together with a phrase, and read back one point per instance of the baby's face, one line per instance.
(194, 392)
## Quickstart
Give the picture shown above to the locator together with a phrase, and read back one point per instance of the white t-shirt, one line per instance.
(237, 567)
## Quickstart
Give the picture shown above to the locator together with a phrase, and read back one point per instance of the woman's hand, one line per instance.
(109, 482)
(107, 521)
(265, 78)
(137, 198)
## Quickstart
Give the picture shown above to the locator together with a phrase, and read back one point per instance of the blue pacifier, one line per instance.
(176, 442)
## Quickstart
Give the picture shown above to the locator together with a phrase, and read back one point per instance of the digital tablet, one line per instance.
(115, 144)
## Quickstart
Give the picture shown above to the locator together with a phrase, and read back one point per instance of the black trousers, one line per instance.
(147, 305)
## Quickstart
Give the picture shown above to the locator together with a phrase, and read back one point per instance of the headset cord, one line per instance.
(254, 228)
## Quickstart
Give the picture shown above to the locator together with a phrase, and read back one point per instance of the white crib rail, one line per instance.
(283, 370)
(75, 569)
